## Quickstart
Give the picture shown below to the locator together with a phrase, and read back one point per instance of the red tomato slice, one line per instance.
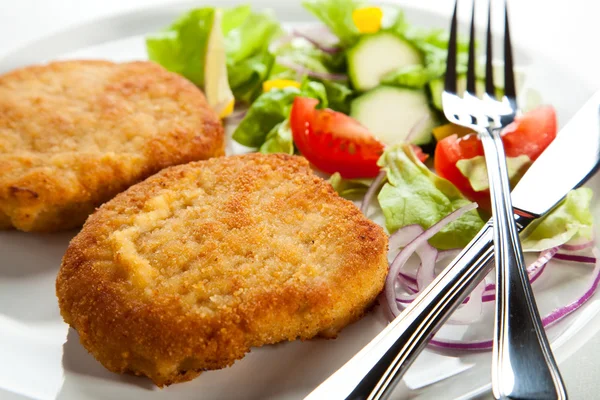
(334, 142)
(529, 134)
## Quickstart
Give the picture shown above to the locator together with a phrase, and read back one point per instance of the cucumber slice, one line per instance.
(390, 113)
(376, 55)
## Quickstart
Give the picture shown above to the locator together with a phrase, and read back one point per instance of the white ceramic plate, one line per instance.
(41, 358)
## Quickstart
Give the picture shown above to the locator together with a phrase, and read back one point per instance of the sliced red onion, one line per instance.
(549, 320)
(237, 115)
(562, 312)
(408, 278)
(321, 33)
(534, 271)
(446, 254)
(280, 41)
(575, 258)
(425, 274)
(578, 246)
(305, 71)
(462, 345)
(471, 309)
(425, 251)
(315, 42)
(404, 236)
(417, 128)
(364, 206)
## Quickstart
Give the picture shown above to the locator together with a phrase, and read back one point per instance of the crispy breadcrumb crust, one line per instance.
(189, 269)
(73, 134)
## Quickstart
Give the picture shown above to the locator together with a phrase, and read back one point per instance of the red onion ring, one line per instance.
(425, 251)
(549, 320)
(577, 247)
(321, 46)
(305, 71)
(366, 201)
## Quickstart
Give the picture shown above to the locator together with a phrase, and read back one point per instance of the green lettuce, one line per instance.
(246, 77)
(475, 170)
(571, 220)
(337, 16)
(234, 17)
(349, 188)
(181, 47)
(415, 195)
(315, 90)
(339, 96)
(272, 108)
(251, 37)
(279, 139)
(412, 76)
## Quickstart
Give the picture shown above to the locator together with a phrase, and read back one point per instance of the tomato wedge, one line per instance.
(334, 142)
(528, 135)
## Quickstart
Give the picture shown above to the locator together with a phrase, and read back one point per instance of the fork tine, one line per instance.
(489, 69)
(450, 81)
(471, 62)
(509, 75)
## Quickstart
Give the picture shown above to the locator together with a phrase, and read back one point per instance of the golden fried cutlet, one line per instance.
(73, 134)
(189, 269)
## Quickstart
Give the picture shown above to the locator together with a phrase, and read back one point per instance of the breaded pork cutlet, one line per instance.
(189, 269)
(73, 134)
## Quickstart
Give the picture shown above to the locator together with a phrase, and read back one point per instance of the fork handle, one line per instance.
(376, 369)
(523, 366)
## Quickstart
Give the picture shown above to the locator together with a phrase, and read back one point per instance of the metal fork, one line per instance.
(523, 366)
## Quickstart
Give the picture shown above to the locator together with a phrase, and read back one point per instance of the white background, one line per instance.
(567, 31)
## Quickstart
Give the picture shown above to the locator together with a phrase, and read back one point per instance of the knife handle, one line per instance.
(378, 367)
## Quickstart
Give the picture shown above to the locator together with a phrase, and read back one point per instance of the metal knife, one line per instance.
(570, 160)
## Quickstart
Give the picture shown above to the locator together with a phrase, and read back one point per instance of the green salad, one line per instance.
(358, 93)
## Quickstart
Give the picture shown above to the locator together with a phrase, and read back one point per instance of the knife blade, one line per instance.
(569, 161)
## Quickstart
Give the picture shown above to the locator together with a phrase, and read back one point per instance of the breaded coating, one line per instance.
(189, 269)
(73, 134)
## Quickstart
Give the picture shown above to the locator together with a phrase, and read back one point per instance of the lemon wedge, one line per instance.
(367, 19)
(216, 86)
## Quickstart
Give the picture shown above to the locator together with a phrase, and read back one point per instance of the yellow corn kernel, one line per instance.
(279, 84)
(367, 19)
(444, 131)
(228, 109)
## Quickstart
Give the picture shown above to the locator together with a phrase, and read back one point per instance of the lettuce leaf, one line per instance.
(269, 109)
(234, 17)
(415, 195)
(339, 96)
(279, 139)
(475, 170)
(571, 220)
(337, 16)
(251, 37)
(412, 76)
(246, 77)
(349, 187)
(181, 47)
(272, 108)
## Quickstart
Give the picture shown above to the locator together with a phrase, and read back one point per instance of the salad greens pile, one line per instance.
(369, 63)
(182, 46)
